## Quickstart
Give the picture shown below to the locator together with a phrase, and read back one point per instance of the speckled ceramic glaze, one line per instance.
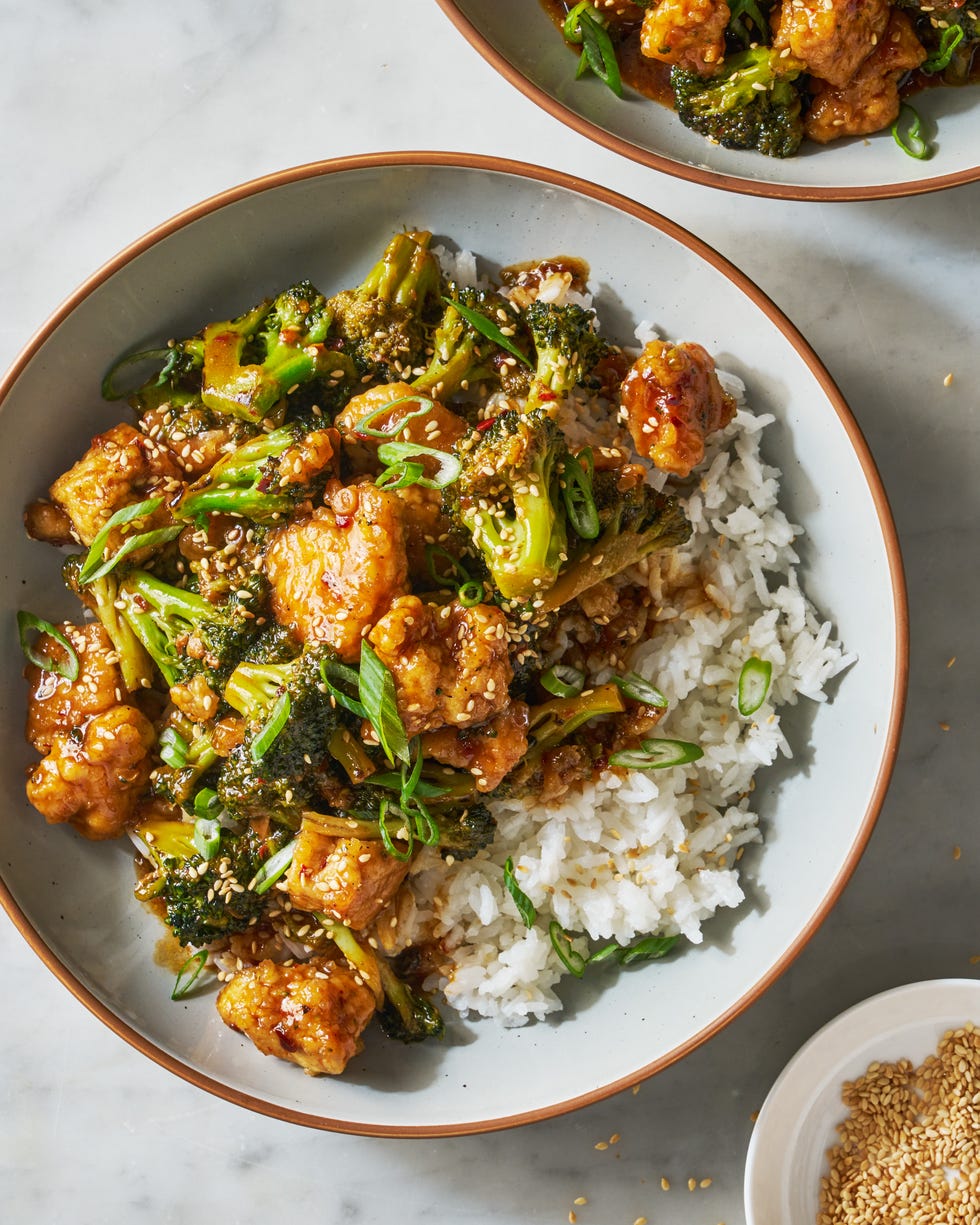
(518, 38)
(73, 900)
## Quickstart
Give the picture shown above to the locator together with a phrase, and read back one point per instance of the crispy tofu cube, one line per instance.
(349, 879)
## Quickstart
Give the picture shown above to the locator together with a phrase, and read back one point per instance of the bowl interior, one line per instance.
(73, 899)
(518, 37)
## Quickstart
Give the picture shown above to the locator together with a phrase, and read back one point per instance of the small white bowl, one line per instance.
(797, 1123)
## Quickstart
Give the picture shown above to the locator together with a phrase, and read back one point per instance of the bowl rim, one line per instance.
(604, 195)
(687, 170)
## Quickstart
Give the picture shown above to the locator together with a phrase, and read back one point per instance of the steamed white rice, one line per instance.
(652, 852)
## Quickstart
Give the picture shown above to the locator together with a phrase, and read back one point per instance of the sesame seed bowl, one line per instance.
(519, 39)
(72, 899)
(910, 1112)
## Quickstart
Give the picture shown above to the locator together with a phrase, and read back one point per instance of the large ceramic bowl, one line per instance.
(72, 900)
(518, 38)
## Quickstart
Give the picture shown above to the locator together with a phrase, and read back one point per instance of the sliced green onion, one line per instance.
(579, 502)
(753, 684)
(173, 748)
(376, 689)
(206, 802)
(330, 669)
(607, 952)
(648, 949)
(456, 567)
(188, 974)
(395, 852)
(274, 867)
(584, 26)
(907, 133)
(400, 475)
(364, 426)
(93, 566)
(423, 788)
(394, 453)
(426, 829)
(657, 754)
(525, 907)
(207, 837)
(483, 325)
(563, 681)
(640, 690)
(471, 594)
(268, 733)
(168, 356)
(561, 942)
(145, 540)
(28, 623)
(951, 38)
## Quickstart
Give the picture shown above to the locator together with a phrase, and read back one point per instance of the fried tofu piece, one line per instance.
(96, 780)
(450, 663)
(312, 1014)
(122, 466)
(689, 33)
(870, 100)
(489, 752)
(336, 571)
(349, 879)
(831, 37)
(673, 401)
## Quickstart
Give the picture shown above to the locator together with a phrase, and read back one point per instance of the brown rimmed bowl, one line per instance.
(518, 38)
(72, 900)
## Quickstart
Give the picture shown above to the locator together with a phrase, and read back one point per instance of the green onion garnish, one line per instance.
(561, 942)
(364, 426)
(563, 681)
(267, 734)
(206, 802)
(483, 325)
(387, 841)
(331, 669)
(400, 475)
(471, 594)
(951, 38)
(173, 748)
(657, 754)
(28, 623)
(753, 684)
(584, 26)
(188, 974)
(907, 133)
(168, 356)
(94, 567)
(273, 868)
(640, 690)
(404, 454)
(456, 567)
(525, 907)
(648, 949)
(207, 837)
(579, 502)
(376, 689)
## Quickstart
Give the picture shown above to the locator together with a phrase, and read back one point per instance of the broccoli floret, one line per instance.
(567, 348)
(508, 499)
(200, 903)
(253, 362)
(289, 721)
(382, 322)
(264, 478)
(753, 102)
(101, 595)
(461, 355)
(187, 754)
(183, 633)
(404, 1012)
(632, 524)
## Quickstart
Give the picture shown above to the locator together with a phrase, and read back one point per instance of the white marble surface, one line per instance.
(118, 114)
